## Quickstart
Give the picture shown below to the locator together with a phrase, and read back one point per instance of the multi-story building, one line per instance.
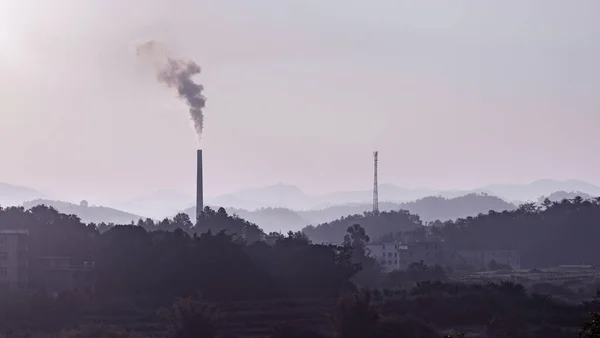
(53, 274)
(396, 256)
(387, 254)
(13, 259)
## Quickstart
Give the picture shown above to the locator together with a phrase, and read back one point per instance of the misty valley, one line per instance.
(370, 274)
(140, 141)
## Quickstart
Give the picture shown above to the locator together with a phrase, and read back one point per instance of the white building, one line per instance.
(387, 254)
(396, 256)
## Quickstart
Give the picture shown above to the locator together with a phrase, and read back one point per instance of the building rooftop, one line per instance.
(14, 232)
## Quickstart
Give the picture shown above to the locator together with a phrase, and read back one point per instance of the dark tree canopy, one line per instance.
(550, 234)
(227, 261)
(376, 225)
(222, 257)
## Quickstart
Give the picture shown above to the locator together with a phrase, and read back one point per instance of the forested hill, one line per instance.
(273, 219)
(428, 208)
(558, 196)
(438, 208)
(15, 195)
(375, 224)
(87, 213)
(547, 234)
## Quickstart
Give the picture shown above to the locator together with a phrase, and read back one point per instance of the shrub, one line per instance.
(95, 331)
(192, 319)
(287, 331)
(356, 318)
(407, 326)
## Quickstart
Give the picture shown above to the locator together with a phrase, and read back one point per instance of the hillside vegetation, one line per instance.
(547, 234)
(87, 213)
(148, 278)
(438, 208)
(376, 225)
(428, 209)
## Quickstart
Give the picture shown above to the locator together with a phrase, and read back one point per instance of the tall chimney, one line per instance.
(199, 187)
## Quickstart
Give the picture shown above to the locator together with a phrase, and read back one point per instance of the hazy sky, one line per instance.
(454, 94)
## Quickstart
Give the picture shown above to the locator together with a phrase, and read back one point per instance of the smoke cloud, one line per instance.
(177, 73)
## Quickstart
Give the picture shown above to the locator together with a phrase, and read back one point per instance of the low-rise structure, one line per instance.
(485, 259)
(387, 254)
(57, 275)
(431, 253)
(397, 256)
(52, 274)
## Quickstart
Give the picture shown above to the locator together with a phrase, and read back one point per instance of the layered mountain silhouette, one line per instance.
(544, 187)
(291, 197)
(157, 204)
(429, 209)
(87, 213)
(283, 207)
(561, 195)
(11, 195)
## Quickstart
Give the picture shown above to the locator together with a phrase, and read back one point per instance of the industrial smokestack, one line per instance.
(199, 187)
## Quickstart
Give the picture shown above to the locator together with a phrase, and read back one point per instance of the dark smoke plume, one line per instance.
(178, 73)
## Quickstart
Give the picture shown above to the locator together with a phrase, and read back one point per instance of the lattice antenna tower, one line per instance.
(375, 184)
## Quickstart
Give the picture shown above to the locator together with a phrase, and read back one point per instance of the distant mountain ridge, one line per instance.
(429, 209)
(561, 195)
(88, 214)
(316, 208)
(543, 187)
(157, 204)
(11, 195)
(291, 197)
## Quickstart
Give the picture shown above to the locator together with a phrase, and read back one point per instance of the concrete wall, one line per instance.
(430, 253)
(481, 259)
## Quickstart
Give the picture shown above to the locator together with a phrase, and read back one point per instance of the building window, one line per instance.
(3, 239)
(3, 256)
(396, 254)
(3, 272)
(389, 254)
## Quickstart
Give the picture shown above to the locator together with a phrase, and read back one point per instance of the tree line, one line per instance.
(194, 269)
(547, 234)
(175, 258)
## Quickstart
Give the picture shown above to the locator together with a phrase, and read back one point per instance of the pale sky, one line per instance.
(454, 94)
